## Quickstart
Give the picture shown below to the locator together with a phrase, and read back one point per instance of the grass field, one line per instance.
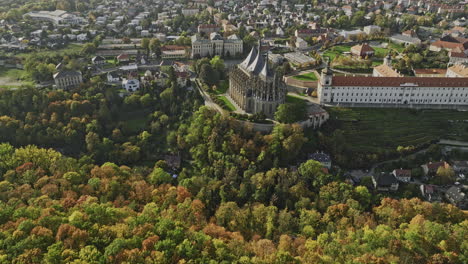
(376, 129)
(228, 103)
(380, 52)
(294, 100)
(70, 49)
(13, 78)
(396, 47)
(336, 50)
(306, 77)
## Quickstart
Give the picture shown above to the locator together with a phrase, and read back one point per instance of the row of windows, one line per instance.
(393, 88)
(391, 94)
(399, 100)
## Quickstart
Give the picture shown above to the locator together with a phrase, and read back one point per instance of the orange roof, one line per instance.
(362, 49)
(399, 81)
(448, 45)
(460, 70)
(430, 71)
(387, 71)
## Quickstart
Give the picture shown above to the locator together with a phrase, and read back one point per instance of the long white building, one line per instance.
(424, 92)
(57, 17)
(216, 45)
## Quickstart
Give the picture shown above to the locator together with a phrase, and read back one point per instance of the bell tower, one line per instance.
(326, 76)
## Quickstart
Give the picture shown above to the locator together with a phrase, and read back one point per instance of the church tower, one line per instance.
(388, 60)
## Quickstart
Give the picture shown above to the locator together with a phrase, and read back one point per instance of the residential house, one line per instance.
(363, 50)
(190, 11)
(428, 192)
(385, 182)
(98, 60)
(131, 85)
(113, 77)
(450, 43)
(402, 175)
(301, 43)
(430, 169)
(458, 57)
(82, 37)
(310, 32)
(372, 29)
(460, 166)
(123, 58)
(456, 196)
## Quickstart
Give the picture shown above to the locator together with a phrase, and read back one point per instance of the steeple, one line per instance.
(264, 71)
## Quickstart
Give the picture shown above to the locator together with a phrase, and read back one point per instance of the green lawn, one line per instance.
(306, 77)
(376, 63)
(336, 50)
(374, 130)
(294, 100)
(228, 103)
(396, 47)
(380, 52)
(13, 78)
(68, 50)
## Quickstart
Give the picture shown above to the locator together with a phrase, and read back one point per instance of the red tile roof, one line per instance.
(362, 49)
(450, 45)
(430, 71)
(399, 81)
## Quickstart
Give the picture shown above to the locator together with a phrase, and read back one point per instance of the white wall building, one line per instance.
(56, 17)
(457, 71)
(301, 43)
(216, 45)
(372, 29)
(190, 11)
(131, 85)
(427, 92)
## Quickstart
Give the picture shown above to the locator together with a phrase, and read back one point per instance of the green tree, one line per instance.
(159, 176)
(312, 172)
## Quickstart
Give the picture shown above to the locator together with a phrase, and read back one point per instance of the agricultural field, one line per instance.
(384, 129)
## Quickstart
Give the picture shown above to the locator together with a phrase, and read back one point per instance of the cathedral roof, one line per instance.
(256, 66)
(250, 58)
(256, 63)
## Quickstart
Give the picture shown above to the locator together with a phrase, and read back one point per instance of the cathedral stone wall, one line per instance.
(254, 88)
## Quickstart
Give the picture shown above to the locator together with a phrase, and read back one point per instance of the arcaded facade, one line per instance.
(254, 87)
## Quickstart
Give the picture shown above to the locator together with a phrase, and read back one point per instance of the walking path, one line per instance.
(208, 101)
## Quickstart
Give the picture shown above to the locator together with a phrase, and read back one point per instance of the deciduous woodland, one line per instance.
(80, 185)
